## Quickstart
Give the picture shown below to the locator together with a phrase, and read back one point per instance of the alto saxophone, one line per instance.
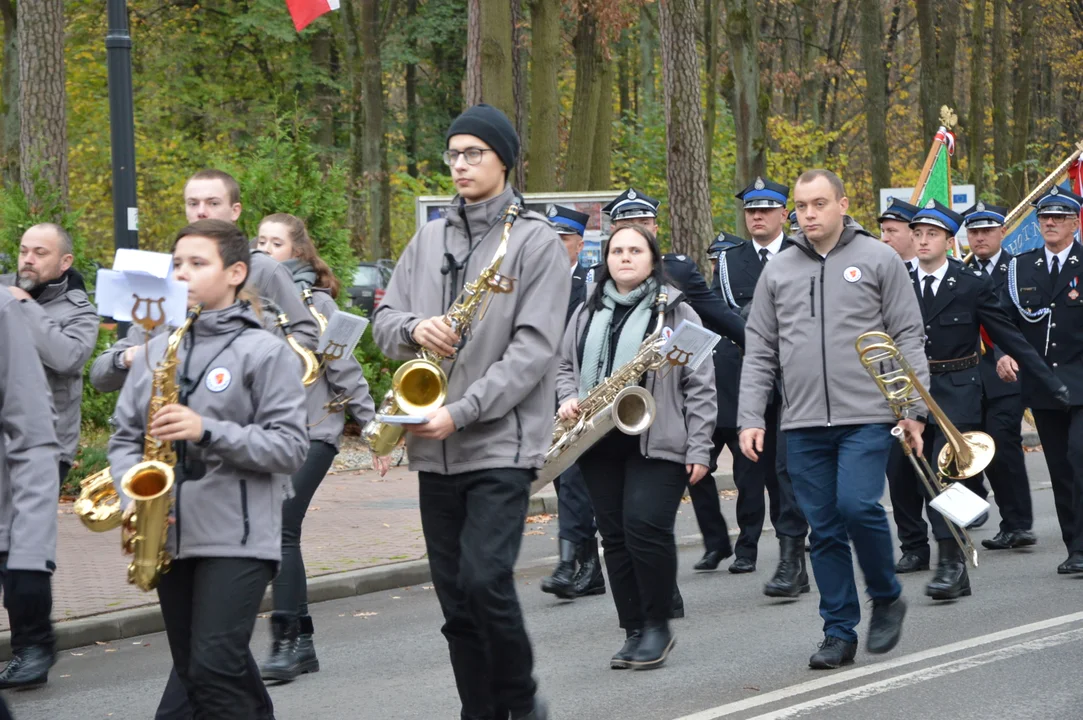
(309, 362)
(306, 295)
(149, 483)
(616, 402)
(419, 386)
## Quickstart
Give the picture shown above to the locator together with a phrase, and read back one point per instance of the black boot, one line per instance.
(951, 580)
(677, 609)
(281, 664)
(833, 653)
(589, 579)
(562, 582)
(791, 577)
(654, 646)
(28, 667)
(305, 653)
(621, 660)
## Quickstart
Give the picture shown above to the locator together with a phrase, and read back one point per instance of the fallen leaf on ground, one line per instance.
(386, 525)
(539, 518)
(752, 687)
(365, 614)
(534, 532)
(100, 642)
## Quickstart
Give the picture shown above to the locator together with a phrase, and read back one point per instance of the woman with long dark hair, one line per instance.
(636, 482)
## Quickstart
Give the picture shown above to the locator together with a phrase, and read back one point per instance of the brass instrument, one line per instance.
(964, 455)
(308, 358)
(419, 386)
(306, 295)
(98, 505)
(616, 402)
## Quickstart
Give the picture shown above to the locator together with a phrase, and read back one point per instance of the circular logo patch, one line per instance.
(218, 379)
(851, 274)
(667, 331)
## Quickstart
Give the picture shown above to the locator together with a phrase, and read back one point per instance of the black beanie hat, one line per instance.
(492, 126)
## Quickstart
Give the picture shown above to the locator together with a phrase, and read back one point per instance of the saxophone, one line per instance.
(306, 295)
(616, 402)
(149, 483)
(419, 386)
(308, 358)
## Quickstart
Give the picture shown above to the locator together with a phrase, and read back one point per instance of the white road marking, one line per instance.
(838, 678)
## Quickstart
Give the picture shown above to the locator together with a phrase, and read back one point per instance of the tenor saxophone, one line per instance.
(149, 483)
(616, 402)
(419, 386)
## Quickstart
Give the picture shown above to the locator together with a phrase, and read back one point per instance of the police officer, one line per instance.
(29, 487)
(63, 321)
(739, 270)
(895, 230)
(1002, 404)
(579, 571)
(955, 303)
(1045, 297)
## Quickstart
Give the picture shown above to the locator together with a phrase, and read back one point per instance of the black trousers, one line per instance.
(704, 494)
(635, 501)
(1002, 419)
(209, 606)
(1061, 433)
(290, 587)
(473, 524)
(575, 516)
(28, 598)
(65, 468)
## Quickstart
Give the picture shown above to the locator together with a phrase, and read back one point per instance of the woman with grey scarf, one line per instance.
(636, 482)
(341, 387)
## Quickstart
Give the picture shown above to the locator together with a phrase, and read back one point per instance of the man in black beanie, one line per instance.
(477, 455)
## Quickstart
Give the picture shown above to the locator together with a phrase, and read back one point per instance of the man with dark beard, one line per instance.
(62, 320)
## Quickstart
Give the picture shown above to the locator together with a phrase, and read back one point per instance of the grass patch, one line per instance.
(92, 457)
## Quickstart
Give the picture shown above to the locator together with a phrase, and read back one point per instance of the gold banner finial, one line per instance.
(948, 118)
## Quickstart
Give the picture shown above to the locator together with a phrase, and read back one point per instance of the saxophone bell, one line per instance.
(308, 358)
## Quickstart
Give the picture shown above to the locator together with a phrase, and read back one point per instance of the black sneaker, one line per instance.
(833, 653)
(885, 626)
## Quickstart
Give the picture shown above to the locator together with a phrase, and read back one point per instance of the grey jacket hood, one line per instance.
(245, 384)
(807, 314)
(501, 384)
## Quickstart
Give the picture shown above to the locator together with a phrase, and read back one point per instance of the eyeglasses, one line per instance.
(1057, 219)
(472, 155)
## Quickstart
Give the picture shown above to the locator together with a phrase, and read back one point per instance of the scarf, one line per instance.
(304, 275)
(630, 332)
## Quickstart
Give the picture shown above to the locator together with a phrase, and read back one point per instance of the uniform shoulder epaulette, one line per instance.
(1032, 251)
(590, 273)
(741, 244)
(528, 214)
(78, 298)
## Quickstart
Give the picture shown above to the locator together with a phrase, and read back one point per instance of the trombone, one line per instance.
(963, 456)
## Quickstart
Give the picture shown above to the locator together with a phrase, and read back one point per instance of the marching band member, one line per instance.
(241, 424)
(340, 387)
(477, 455)
(1045, 296)
(837, 423)
(955, 303)
(636, 483)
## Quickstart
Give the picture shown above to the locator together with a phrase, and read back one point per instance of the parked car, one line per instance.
(369, 283)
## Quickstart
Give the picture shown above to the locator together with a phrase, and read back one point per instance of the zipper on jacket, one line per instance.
(647, 438)
(518, 435)
(812, 294)
(177, 514)
(244, 510)
(823, 339)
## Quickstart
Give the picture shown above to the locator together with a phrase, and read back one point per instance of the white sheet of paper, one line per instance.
(344, 330)
(115, 294)
(402, 419)
(959, 504)
(109, 286)
(143, 262)
(690, 344)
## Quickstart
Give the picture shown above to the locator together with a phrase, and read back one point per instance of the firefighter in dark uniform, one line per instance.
(1002, 404)
(1044, 295)
(738, 272)
(579, 571)
(895, 230)
(956, 302)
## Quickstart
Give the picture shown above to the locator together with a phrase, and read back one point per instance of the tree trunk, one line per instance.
(647, 97)
(374, 152)
(518, 64)
(710, 44)
(930, 108)
(497, 81)
(474, 90)
(1001, 137)
(9, 98)
(809, 21)
(872, 54)
(356, 197)
(603, 130)
(1024, 67)
(544, 96)
(588, 61)
(743, 30)
(691, 226)
(325, 95)
(43, 134)
(411, 92)
(976, 124)
(950, 12)
(624, 81)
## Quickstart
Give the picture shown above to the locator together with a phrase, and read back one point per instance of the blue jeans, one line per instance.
(838, 479)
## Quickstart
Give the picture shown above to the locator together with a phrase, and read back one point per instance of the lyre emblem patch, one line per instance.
(218, 379)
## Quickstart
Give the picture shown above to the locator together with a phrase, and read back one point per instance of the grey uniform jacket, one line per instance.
(685, 399)
(247, 389)
(807, 314)
(64, 325)
(29, 453)
(342, 385)
(501, 385)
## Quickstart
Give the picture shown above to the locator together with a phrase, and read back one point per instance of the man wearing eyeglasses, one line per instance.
(1044, 297)
(477, 455)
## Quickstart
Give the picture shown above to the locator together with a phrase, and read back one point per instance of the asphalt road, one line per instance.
(1012, 650)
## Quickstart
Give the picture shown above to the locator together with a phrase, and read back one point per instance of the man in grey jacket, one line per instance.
(62, 321)
(29, 488)
(478, 454)
(810, 306)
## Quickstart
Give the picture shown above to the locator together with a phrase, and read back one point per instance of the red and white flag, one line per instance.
(305, 11)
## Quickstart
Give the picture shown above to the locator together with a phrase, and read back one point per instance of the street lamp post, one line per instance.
(118, 47)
